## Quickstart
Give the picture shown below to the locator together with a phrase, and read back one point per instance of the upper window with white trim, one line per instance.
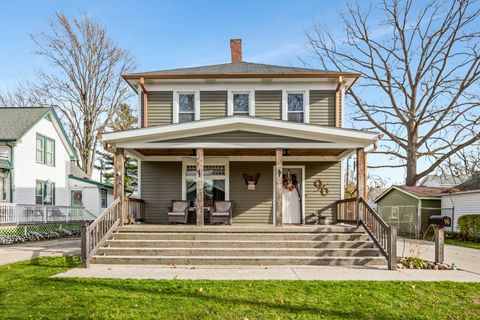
(186, 107)
(241, 104)
(296, 107)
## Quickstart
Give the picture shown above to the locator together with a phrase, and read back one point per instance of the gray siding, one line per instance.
(160, 108)
(240, 136)
(213, 104)
(252, 206)
(317, 205)
(268, 104)
(161, 182)
(322, 107)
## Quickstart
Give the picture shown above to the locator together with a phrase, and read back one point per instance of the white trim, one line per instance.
(251, 101)
(139, 178)
(306, 103)
(207, 161)
(302, 218)
(342, 179)
(251, 158)
(242, 85)
(239, 145)
(254, 124)
(176, 104)
(139, 111)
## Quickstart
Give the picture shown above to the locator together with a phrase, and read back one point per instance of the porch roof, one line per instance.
(314, 136)
(240, 136)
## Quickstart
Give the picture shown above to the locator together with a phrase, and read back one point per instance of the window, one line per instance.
(186, 107)
(241, 104)
(45, 150)
(3, 184)
(295, 111)
(103, 198)
(214, 184)
(394, 214)
(76, 198)
(44, 192)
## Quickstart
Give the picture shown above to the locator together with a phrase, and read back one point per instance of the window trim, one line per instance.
(43, 190)
(176, 104)
(397, 210)
(306, 104)
(251, 101)
(71, 197)
(44, 140)
(208, 161)
(102, 190)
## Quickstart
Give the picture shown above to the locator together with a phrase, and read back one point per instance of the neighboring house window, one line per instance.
(45, 151)
(103, 198)
(44, 192)
(214, 184)
(186, 107)
(295, 107)
(76, 198)
(241, 105)
(3, 184)
(394, 214)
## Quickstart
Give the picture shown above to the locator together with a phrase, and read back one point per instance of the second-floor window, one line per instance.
(186, 107)
(241, 104)
(296, 107)
(45, 150)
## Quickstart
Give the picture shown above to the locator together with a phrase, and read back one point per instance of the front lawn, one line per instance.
(467, 244)
(26, 291)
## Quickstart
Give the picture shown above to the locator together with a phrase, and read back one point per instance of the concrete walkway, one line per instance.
(267, 273)
(30, 250)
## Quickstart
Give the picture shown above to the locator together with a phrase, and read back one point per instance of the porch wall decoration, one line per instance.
(322, 188)
(251, 181)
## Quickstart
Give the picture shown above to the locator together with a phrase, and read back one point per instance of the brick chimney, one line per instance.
(236, 48)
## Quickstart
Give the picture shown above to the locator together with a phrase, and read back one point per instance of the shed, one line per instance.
(409, 207)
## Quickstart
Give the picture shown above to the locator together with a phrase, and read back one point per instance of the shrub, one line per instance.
(36, 236)
(469, 227)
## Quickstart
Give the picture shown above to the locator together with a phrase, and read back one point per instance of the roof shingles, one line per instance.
(15, 122)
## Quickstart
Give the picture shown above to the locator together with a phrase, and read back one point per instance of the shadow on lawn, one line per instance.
(138, 289)
(58, 262)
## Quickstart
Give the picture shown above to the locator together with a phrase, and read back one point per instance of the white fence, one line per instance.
(14, 214)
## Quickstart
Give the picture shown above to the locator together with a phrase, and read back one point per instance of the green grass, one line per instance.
(467, 244)
(28, 292)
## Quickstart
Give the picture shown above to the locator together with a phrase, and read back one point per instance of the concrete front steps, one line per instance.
(239, 245)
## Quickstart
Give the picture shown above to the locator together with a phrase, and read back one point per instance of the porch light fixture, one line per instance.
(286, 153)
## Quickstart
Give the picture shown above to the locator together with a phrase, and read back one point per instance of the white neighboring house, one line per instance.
(93, 195)
(464, 199)
(36, 157)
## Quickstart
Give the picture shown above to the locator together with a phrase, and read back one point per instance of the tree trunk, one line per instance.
(411, 171)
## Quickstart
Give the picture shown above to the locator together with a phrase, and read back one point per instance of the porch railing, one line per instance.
(98, 231)
(15, 214)
(384, 236)
(135, 208)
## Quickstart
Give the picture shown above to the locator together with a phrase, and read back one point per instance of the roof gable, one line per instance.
(415, 191)
(15, 122)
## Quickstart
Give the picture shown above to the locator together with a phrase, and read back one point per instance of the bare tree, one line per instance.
(420, 67)
(84, 83)
(463, 164)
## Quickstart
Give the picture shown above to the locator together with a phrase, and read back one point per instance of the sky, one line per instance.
(172, 34)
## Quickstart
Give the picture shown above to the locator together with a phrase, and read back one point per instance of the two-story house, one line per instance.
(267, 139)
(244, 117)
(37, 164)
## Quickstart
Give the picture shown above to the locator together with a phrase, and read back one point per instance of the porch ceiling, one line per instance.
(241, 152)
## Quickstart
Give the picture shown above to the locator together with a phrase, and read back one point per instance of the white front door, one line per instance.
(292, 195)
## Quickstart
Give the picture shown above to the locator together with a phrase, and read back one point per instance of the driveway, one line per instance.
(465, 258)
(25, 251)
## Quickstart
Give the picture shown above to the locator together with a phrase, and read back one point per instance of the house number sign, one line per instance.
(322, 188)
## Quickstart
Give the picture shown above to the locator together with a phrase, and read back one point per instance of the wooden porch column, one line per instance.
(119, 178)
(278, 187)
(361, 179)
(200, 183)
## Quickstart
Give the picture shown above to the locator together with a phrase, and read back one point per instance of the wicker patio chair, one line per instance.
(178, 213)
(222, 212)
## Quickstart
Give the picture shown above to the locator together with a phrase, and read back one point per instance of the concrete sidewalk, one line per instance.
(267, 273)
(30, 250)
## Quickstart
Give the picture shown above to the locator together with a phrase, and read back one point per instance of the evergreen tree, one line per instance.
(123, 119)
